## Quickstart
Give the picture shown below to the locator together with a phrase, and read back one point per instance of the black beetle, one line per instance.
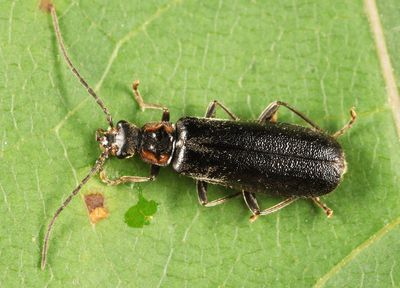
(253, 157)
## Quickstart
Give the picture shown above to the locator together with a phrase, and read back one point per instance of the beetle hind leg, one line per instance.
(348, 125)
(270, 114)
(328, 211)
(202, 195)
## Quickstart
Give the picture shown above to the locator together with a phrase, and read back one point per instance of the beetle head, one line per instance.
(107, 140)
(122, 141)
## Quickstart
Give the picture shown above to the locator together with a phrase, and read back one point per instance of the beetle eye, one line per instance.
(100, 135)
(110, 138)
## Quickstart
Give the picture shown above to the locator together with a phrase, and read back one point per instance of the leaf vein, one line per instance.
(384, 59)
(356, 251)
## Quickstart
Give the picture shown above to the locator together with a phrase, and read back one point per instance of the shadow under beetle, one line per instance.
(253, 157)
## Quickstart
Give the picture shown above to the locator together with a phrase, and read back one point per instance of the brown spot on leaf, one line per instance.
(45, 5)
(95, 205)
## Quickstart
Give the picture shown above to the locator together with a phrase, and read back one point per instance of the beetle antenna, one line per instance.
(47, 5)
(99, 164)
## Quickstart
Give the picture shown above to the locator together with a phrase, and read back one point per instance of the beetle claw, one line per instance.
(253, 218)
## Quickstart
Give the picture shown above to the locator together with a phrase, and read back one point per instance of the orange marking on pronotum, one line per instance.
(152, 158)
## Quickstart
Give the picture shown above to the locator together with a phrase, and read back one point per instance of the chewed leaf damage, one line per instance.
(142, 213)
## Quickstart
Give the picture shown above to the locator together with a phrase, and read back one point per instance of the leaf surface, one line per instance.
(320, 56)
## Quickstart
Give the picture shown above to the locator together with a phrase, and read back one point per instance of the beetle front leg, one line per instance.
(328, 211)
(143, 106)
(212, 107)
(154, 170)
(269, 114)
(202, 195)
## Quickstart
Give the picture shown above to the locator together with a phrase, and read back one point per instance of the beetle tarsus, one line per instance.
(328, 211)
(253, 218)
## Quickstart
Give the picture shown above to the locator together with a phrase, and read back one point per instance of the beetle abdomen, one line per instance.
(281, 159)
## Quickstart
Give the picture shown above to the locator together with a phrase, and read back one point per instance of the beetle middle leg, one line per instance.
(212, 107)
(154, 170)
(202, 195)
(251, 202)
(274, 208)
(269, 114)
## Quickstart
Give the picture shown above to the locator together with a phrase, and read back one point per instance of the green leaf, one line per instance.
(141, 214)
(319, 56)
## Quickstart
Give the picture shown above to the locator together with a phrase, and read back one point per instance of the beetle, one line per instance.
(263, 156)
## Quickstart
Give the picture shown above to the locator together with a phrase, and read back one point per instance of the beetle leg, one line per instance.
(328, 211)
(212, 107)
(143, 106)
(251, 202)
(269, 114)
(202, 195)
(274, 208)
(348, 125)
(154, 169)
